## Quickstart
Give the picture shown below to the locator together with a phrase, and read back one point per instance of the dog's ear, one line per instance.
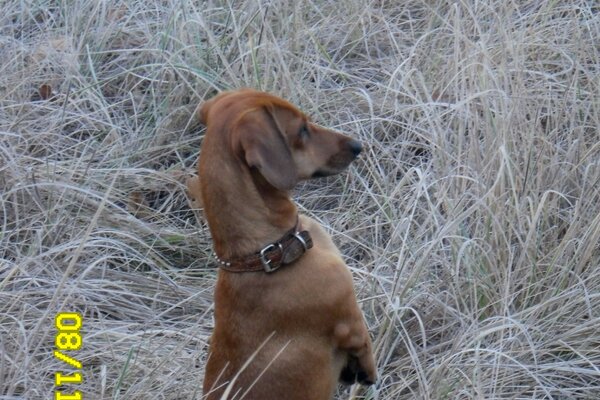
(266, 147)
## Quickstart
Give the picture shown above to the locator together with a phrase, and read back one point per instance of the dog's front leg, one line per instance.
(353, 338)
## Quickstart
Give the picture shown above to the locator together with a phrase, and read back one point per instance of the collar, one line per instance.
(290, 247)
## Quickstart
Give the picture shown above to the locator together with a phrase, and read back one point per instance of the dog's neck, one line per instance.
(244, 212)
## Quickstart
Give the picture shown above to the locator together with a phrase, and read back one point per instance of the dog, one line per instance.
(287, 323)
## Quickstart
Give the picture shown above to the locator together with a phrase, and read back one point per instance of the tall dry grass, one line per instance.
(471, 223)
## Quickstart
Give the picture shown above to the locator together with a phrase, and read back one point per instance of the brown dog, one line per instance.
(287, 324)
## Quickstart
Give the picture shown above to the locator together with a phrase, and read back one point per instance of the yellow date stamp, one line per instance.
(68, 338)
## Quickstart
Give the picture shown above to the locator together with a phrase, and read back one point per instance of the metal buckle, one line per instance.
(266, 262)
(301, 239)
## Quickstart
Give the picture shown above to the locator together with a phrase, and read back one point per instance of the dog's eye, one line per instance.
(303, 133)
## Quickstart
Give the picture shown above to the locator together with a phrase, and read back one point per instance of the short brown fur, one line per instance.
(257, 147)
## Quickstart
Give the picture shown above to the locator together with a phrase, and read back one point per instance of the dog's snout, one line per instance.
(355, 147)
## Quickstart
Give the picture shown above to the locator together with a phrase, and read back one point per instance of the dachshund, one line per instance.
(287, 322)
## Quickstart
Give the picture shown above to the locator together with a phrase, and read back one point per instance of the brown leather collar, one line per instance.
(270, 258)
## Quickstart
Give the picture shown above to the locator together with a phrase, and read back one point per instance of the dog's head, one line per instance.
(271, 135)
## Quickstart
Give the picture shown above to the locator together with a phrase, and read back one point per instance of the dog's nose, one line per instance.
(355, 147)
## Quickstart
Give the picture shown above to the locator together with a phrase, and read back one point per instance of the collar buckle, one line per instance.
(266, 261)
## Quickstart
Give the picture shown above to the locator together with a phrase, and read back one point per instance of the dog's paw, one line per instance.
(353, 372)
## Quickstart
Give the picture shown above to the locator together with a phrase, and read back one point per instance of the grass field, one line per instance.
(471, 222)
